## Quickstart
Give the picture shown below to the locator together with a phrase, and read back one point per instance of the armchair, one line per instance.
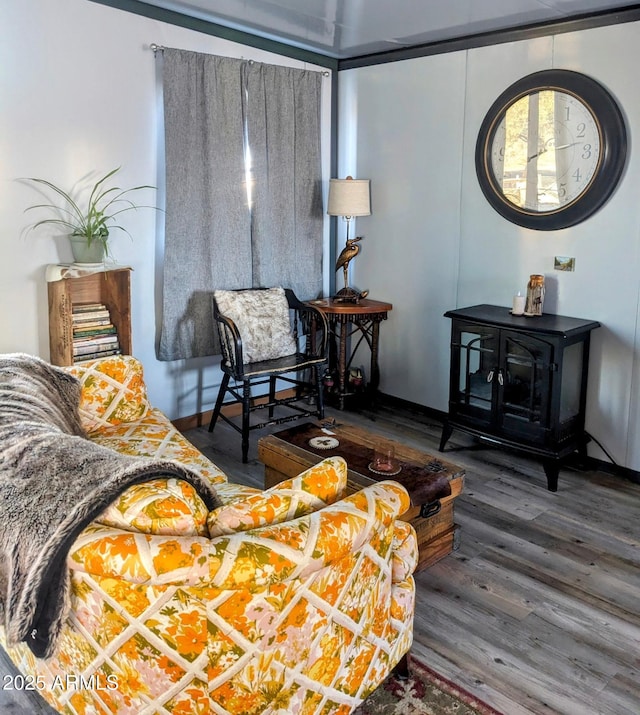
(290, 600)
(265, 335)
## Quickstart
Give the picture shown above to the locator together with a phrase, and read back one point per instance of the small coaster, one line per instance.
(384, 474)
(324, 442)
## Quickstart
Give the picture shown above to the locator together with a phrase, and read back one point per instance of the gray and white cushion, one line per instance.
(262, 318)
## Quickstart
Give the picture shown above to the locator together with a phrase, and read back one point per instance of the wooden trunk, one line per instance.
(437, 534)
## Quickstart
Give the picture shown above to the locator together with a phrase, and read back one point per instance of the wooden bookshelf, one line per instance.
(110, 287)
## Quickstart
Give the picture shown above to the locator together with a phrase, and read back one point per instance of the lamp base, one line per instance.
(349, 295)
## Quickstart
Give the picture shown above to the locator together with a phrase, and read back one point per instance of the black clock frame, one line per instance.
(613, 154)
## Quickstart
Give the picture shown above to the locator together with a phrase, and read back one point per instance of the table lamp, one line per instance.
(348, 198)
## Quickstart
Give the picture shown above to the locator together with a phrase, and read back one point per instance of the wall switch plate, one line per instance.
(564, 263)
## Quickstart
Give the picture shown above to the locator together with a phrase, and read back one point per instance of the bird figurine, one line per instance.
(350, 251)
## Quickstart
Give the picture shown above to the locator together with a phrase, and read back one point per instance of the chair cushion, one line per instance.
(322, 484)
(262, 319)
(113, 391)
(156, 437)
(160, 506)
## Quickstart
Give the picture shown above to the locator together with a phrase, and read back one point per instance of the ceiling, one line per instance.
(344, 29)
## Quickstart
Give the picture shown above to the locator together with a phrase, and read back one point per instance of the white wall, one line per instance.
(434, 243)
(408, 257)
(78, 94)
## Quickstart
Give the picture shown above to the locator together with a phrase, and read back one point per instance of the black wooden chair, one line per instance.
(308, 334)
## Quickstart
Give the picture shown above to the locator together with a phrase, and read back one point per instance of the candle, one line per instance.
(518, 304)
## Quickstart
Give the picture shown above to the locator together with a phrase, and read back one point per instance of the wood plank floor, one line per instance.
(538, 612)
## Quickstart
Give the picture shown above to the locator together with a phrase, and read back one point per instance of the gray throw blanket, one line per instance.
(53, 483)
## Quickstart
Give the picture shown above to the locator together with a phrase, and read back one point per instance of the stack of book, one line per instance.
(94, 335)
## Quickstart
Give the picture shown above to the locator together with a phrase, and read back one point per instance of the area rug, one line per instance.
(424, 692)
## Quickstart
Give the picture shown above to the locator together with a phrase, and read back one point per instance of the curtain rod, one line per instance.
(161, 48)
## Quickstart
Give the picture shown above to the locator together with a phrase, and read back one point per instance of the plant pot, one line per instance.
(85, 253)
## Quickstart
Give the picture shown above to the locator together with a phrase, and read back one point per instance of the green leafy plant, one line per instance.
(95, 219)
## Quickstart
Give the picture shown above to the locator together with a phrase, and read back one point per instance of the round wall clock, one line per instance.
(551, 150)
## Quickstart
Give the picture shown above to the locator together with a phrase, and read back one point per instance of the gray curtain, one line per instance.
(207, 222)
(214, 109)
(283, 131)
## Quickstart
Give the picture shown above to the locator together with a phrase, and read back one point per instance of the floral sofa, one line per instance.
(290, 600)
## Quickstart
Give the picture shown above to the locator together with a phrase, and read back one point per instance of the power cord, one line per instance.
(611, 459)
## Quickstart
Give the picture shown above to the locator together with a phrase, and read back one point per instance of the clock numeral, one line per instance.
(577, 175)
(562, 190)
(581, 127)
(586, 151)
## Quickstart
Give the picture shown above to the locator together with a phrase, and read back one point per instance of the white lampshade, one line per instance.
(349, 197)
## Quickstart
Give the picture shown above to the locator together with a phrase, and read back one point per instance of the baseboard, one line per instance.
(413, 407)
(202, 419)
(588, 464)
(600, 465)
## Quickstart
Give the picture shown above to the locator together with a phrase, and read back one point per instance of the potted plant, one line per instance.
(89, 223)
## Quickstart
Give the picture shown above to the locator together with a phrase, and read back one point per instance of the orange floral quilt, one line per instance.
(292, 600)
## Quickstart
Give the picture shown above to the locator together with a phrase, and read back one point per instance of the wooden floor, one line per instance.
(539, 610)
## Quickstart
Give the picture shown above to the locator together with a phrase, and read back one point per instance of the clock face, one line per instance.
(551, 150)
(545, 151)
